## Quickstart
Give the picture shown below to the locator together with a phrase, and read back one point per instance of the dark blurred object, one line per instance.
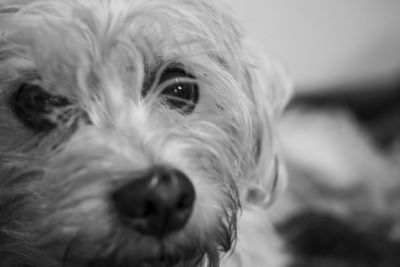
(323, 240)
(376, 105)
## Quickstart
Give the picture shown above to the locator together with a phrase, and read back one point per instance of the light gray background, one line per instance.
(324, 42)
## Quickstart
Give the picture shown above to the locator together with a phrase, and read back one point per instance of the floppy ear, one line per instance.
(270, 90)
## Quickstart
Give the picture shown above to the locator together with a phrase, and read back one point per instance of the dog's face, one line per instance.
(131, 132)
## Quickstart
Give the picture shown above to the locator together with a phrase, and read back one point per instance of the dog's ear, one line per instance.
(270, 90)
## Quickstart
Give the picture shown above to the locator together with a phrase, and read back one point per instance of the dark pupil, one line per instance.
(180, 95)
(32, 99)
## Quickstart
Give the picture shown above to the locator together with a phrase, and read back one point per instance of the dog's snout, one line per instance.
(157, 203)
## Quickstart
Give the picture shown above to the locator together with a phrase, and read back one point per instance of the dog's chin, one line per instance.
(141, 252)
(160, 262)
(188, 258)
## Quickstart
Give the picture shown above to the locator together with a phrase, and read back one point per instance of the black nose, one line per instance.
(156, 203)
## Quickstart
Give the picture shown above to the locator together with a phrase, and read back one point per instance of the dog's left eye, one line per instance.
(32, 104)
(181, 92)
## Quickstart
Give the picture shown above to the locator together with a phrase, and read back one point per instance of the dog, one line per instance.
(136, 133)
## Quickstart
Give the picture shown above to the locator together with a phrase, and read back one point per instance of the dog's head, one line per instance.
(131, 132)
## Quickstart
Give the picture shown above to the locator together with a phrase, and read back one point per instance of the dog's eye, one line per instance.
(181, 91)
(33, 98)
(32, 103)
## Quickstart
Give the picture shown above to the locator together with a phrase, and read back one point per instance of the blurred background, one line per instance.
(326, 42)
(338, 52)
(341, 132)
(332, 49)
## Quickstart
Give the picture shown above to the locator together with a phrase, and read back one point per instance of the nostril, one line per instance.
(156, 203)
(149, 209)
(183, 202)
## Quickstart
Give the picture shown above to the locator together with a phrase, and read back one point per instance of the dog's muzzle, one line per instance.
(157, 203)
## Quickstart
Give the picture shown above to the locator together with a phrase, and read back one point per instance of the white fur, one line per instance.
(99, 54)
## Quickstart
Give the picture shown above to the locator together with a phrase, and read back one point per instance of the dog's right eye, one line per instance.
(32, 103)
(181, 92)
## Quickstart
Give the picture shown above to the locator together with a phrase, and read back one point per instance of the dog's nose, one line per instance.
(156, 203)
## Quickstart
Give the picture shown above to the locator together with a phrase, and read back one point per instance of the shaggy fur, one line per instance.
(106, 59)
